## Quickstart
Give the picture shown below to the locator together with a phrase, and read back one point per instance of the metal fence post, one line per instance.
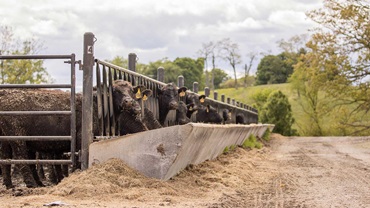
(132, 62)
(195, 87)
(180, 81)
(206, 91)
(87, 99)
(160, 74)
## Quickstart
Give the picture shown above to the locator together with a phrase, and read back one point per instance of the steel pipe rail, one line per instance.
(9, 57)
(36, 138)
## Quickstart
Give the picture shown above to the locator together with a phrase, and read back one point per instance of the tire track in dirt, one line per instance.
(326, 176)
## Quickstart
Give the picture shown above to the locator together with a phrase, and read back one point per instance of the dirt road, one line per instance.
(288, 172)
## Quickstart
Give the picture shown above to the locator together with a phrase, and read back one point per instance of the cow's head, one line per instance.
(169, 96)
(192, 101)
(124, 97)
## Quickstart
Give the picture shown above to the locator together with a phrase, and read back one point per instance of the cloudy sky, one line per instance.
(155, 29)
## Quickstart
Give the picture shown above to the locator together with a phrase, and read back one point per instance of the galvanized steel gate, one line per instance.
(70, 59)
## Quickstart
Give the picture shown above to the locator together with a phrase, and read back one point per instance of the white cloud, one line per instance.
(288, 18)
(156, 29)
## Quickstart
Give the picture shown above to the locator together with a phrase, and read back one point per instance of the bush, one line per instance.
(277, 110)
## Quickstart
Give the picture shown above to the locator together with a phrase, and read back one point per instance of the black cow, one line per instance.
(50, 100)
(192, 103)
(181, 114)
(168, 97)
(239, 119)
(208, 114)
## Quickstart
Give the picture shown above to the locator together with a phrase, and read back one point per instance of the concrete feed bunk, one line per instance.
(162, 153)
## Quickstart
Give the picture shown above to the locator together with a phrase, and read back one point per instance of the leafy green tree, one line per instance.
(260, 98)
(337, 66)
(274, 69)
(119, 61)
(277, 110)
(220, 76)
(191, 69)
(21, 71)
(171, 70)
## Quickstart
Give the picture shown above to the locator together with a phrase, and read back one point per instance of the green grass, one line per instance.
(251, 142)
(329, 123)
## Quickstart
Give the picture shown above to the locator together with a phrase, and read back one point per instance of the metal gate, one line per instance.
(70, 59)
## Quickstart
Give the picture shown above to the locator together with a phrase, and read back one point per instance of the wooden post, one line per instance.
(223, 98)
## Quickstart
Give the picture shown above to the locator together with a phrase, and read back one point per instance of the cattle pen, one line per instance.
(210, 139)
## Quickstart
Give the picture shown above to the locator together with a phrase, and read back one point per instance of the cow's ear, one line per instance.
(182, 91)
(138, 91)
(147, 93)
(202, 98)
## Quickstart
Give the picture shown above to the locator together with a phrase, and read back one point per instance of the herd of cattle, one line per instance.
(129, 110)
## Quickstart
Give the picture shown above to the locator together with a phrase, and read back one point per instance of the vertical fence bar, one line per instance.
(233, 102)
(228, 100)
(223, 98)
(99, 100)
(105, 103)
(87, 114)
(73, 110)
(112, 119)
(215, 95)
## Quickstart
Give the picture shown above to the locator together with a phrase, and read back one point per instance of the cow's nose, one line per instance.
(174, 105)
(127, 101)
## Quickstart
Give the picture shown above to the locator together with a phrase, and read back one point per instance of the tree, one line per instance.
(272, 70)
(21, 71)
(230, 52)
(171, 70)
(191, 69)
(247, 67)
(210, 50)
(120, 61)
(277, 110)
(310, 84)
(339, 50)
(220, 76)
